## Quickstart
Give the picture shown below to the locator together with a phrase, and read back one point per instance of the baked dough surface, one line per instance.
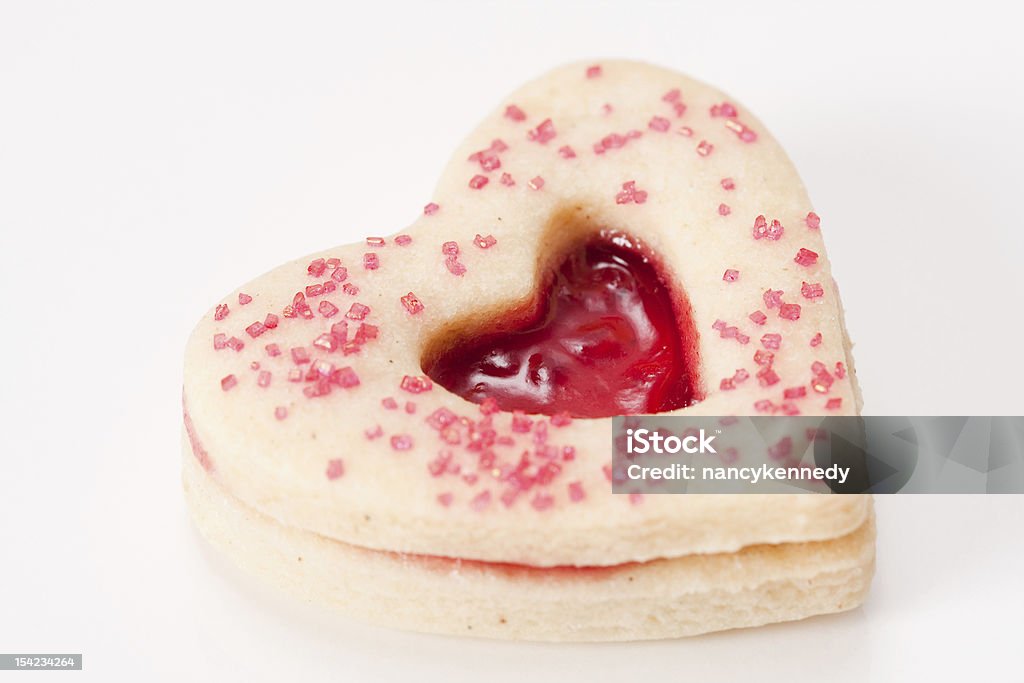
(387, 498)
(659, 599)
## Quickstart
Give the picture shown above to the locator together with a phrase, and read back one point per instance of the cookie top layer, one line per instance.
(305, 390)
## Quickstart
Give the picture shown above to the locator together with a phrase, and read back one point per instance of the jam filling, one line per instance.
(607, 337)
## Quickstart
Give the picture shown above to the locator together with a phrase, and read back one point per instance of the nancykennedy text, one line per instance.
(753, 475)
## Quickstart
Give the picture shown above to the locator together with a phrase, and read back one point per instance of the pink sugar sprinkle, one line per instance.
(374, 432)
(454, 266)
(389, 403)
(339, 274)
(271, 321)
(411, 303)
(376, 242)
(506, 180)
(478, 181)
(403, 240)
(316, 267)
(671, 95)
(728, 184)
(273, 350)
(561, 419)
(542, 501)
(484, 242)
(789, 311)
(767, 377)
(235, 344)
(742, 131)
(740, 376)
(280, 412)
(629, 194)
(228, 382)
(221, 312)
(813, 221)
(536, 183)
(594, 71)
(543, 133)
(782, 449)
(515, 113)
(345, 377)
(724, 210)
(220, 341)
(311, 291)
(417, 384)
(358, 311)
(371, 261)
(329, 286)
(764, 406)
(660, 124)
(789, 408)
(794, 392)
(576, 492)
(320, 368)
(704, 148)
(758, 317)
(300, 355)
(263, 379)
(816, 339)
(441, 418)
(840, 370)
(566, 152)
(762, 357)
(822, 381)
(489, 162)
(520, 422)
(723, 109)
(450, 248)
(685, 131)
(335, 468)
(489, 406)
(727, 384)
(773, 298)
(806, 257)
(772, 341)
(833, 404)
(327, 309)
(812, 290)
(771, 232)
(410, 407)
(445, 499)
(430, 209)
(731, 275)
(350, 289)
(636, 498)
(243, 299)
(327, 342)
(481, 501)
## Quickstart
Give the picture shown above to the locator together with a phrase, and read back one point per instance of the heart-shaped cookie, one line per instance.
(614, 239)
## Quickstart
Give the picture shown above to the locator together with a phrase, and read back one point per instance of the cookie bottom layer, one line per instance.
(659, 599)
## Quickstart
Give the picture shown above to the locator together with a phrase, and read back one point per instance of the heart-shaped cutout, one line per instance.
(606, 335)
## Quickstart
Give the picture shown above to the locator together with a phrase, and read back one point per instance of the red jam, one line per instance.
(608, 338)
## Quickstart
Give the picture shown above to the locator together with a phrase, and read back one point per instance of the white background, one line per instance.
(152, 157)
